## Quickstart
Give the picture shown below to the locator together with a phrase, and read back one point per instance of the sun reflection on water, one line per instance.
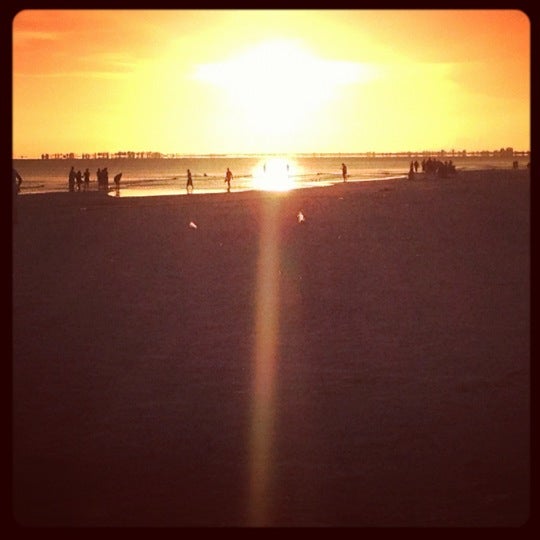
(274, 174)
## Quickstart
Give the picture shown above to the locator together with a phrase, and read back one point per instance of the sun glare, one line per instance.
(276, 84)
(274, 174)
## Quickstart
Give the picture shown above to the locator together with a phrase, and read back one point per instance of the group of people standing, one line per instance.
(433, 166)
(76, 178)
(81, 180)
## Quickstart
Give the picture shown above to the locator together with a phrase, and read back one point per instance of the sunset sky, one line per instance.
(257, 81)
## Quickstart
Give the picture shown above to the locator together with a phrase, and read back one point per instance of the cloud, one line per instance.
(99, 65)
(75, 74)
(116, 61)
(24, 36)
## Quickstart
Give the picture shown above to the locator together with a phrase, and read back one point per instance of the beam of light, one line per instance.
(266, 351)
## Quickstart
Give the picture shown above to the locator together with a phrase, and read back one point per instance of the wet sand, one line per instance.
(369, 367)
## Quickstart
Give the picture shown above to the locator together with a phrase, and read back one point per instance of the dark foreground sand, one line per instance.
(148, 391)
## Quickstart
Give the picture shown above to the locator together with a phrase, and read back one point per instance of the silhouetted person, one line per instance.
(411, 171)
(117, 179)
(15, 189)
(105, 175)
(416, 164)
(17, 181)
(71, 179)
(86, 177)
(78, 178)
(344, 171)
(442, 169)
(228, 178)
(189, 183)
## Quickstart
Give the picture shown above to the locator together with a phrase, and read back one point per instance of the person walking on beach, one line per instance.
(344, 171)
(189, 183)
(17, 181)
(411, 171)
(71, 179)
(228, 178)
(16, 188)
(105, 177)
(86, 176)
(78, 177)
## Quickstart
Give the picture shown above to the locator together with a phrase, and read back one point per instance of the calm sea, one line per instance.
(168, 175)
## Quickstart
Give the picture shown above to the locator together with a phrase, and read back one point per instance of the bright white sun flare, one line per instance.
(274, 174)
(277, 84)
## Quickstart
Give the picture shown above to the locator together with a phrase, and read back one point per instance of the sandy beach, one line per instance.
(367, 367)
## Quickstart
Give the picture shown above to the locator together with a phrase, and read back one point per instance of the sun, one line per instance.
(276, 85)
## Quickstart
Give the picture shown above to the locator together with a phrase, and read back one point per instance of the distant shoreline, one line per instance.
(503, 154)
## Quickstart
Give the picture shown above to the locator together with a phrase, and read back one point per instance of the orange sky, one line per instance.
(256, 81)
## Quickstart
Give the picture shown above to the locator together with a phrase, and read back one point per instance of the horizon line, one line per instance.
(508, 151)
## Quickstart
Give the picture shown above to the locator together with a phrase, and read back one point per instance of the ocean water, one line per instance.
(146, 177)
